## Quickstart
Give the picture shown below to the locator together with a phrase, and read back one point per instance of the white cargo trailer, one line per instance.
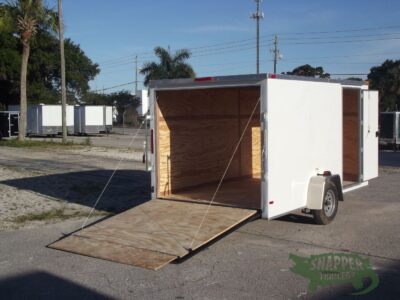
(389, 128)
(143, 107)
(108, 118)
(308, 141)
(89, 119)
(45, 119)
(226, 150)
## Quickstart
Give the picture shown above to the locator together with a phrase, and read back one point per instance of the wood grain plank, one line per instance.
(113, 252)
(351, 139)
(244, 193)
(158, 230)
(197, 131)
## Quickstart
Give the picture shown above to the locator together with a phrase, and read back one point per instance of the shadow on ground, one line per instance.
(127, 188)
(43, 285)
(294, 218)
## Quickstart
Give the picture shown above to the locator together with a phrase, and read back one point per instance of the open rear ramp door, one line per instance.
(155, 233)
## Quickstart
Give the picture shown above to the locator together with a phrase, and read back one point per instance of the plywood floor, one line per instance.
(154, 233)
(244, 193)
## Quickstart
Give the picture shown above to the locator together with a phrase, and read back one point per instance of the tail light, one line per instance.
(325, 174)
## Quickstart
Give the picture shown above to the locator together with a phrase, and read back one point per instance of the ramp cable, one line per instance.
(225, 172)
(112, 175)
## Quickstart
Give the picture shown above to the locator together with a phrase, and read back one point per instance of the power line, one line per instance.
(341, 31)
(341, 37)
(235, 48)
(211, 49)
(341, 42)
(353, 55)
(144, 54)
(113, 87)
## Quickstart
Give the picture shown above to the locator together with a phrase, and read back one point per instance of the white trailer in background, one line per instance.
(89, 119)
(45, 119)
(143, 107)
(108, 118)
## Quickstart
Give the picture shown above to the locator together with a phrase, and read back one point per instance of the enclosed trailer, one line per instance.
(303, 135)
(89, 119)
(389, 127)
(44, 119)
(229, 149)
(9, 124)
(108, 118)
(143, 107)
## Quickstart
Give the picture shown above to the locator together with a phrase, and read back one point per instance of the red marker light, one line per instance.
(271, 202)
(204, 79)
(272, 76)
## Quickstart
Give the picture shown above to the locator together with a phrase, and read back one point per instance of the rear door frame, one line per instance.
(369, 125)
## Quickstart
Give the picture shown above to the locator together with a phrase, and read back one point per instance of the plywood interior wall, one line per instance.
(197, 133)
(351, 135)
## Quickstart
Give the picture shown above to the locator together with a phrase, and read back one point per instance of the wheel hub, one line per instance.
(329, 203)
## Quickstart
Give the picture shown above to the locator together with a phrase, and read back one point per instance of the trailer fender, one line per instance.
(316, 190)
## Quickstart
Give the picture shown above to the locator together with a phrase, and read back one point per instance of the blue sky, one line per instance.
(112, 32)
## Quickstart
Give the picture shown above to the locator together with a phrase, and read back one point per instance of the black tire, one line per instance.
(329, 206)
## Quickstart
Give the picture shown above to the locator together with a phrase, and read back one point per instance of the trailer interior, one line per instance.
(351, 136)
(197, 132)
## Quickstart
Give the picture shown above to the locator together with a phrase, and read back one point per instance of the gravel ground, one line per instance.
(40, 186)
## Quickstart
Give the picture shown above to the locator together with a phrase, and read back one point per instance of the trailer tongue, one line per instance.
(155, 233)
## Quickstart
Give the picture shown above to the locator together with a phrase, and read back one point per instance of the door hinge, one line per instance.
(264, 120)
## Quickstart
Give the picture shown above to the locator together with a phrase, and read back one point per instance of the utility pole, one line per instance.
(63, 89)
(136, 75)
(258, 15)
(276, 52)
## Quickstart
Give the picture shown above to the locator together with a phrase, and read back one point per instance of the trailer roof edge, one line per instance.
(242, 80)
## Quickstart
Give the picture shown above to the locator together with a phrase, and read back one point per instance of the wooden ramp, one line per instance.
(155, 233)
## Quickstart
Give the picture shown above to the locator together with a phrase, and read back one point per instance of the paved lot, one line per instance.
(250, 263)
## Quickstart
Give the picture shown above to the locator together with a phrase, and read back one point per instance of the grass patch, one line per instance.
(57, 214)
(34, 144)
(87, 141)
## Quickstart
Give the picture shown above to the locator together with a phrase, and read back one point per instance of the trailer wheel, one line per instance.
(329, 206)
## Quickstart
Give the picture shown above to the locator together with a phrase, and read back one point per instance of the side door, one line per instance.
(370, 134)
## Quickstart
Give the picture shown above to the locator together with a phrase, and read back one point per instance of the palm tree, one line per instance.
(28, 15)
(169, 67)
